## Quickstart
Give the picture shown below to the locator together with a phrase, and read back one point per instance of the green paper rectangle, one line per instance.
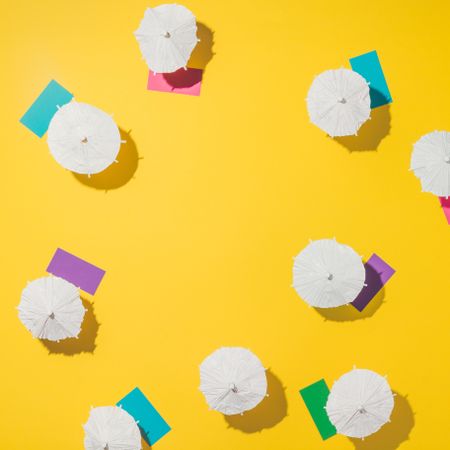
(315, 397)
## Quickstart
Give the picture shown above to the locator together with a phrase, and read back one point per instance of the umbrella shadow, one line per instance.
(117, 174)
(203, 51)
(200, 58)
(271, 411)
(183, 78)
(394, 433)
(86, 339)
(371, 133)
(145, 439)
(348, 313)
(145, 444)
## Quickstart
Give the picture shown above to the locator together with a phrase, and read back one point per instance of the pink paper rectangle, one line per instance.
(82, 274)
(182, 81)
(445, 203)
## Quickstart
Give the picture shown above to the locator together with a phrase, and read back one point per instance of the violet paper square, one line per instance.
(82, 274)
(378, 273)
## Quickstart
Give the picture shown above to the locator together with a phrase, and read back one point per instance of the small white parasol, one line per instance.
(430, 161)
(83, 138)
(360, 403)
(51, 309)
(111, 428)
(327, 274)
(167, 35)
(339, 102)
(233, 380)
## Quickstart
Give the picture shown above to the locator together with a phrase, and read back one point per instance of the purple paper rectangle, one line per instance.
(82, 274)
(378, 273)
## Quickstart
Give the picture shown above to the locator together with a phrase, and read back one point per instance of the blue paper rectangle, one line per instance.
(153, 427)
(40, 113)
(368, 66)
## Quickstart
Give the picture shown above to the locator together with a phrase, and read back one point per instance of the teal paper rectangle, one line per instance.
(153, 427)
(369, 67)
(41, 112)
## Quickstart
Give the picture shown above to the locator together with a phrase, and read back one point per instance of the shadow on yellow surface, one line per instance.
(203, 51)
(117, 174)
(145, 445)
(86, 339)
(267, 414)
(348, 313)
(371, 133)
(393, 434)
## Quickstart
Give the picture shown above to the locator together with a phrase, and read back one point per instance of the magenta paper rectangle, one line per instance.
(82, 274)
(445, 203)
(378, 273)
(182, 81)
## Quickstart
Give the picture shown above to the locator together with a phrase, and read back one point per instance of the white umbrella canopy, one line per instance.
(430, 161)
(51, 308)
(233, 380)
(83, 138)
(111, 428)
(327, 274)
(338, 102)
(167, 35)
(360, 403)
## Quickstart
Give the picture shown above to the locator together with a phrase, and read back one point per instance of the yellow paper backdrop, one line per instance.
(212, 198)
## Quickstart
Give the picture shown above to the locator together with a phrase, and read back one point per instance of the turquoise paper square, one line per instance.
(153, 427)
(41, 112)
(369, 67)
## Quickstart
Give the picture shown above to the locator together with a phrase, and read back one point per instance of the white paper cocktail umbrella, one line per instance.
(339, 102)
(233, 380)
(360, 403)
(51, 309)
(83, 138)
(167, 35)
(327, 274)
(430, 161)
(111, 428)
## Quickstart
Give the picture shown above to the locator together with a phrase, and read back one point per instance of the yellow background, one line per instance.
(229, 186)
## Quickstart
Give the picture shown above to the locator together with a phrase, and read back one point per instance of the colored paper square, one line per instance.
(315, 397)
(82, 274)
(368, 66)
(182, 81)
(445, 203)
(153, 427)
(41, 112)
(378, 273)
